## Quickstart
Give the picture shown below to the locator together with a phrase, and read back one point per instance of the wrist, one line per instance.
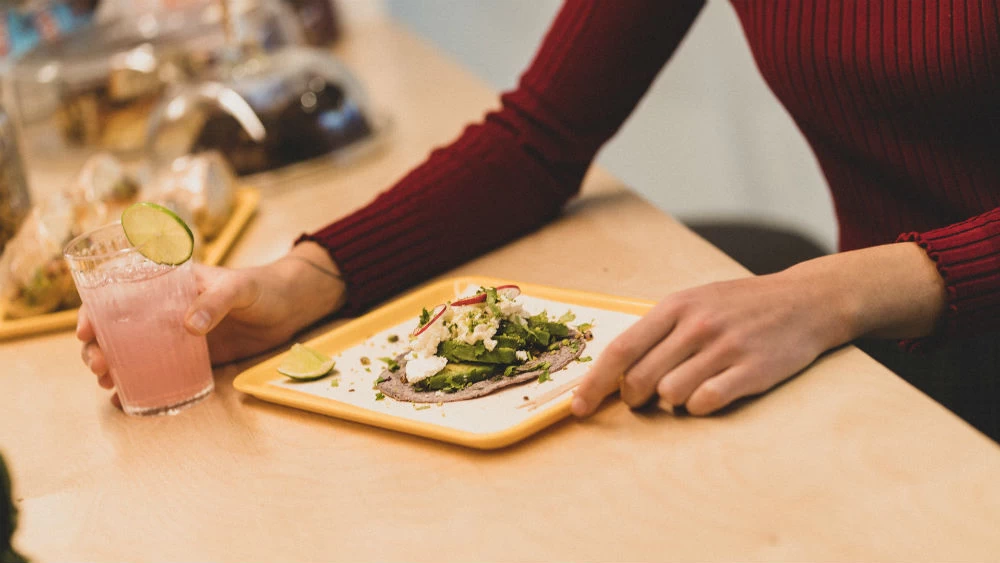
(826, 300)
(313, 279)
(887, 291)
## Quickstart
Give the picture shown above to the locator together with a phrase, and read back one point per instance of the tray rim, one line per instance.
(255, 380)
(247, 200)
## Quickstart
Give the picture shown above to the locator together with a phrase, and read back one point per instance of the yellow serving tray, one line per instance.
(213, 253)
(367, 332)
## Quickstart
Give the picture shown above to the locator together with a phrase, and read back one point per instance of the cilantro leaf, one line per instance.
(491, 301)
(392, 364)
(584, 359)
(545, 376)
(379, 396)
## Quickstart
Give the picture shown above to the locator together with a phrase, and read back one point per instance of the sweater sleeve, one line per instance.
(967, 256)
(514, 171)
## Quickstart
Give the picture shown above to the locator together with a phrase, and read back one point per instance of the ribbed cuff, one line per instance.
(967, 256)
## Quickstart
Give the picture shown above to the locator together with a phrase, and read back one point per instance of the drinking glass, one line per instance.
(137, 309)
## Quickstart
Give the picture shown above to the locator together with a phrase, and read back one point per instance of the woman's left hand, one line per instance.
(707, 346)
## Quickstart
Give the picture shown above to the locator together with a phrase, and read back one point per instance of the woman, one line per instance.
(898, 101)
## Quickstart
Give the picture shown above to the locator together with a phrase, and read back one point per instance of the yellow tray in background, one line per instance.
(213, 253)
(505, 421)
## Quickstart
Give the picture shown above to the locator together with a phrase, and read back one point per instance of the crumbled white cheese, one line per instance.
(418, 369)
(426, 343)
(469, 324)
(510, 308)
(521, 355)
(472, 324)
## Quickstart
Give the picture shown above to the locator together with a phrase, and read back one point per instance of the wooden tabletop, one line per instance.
(845, 462)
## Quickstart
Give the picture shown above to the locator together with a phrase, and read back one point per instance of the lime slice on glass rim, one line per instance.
(305, 364)
(158, 233)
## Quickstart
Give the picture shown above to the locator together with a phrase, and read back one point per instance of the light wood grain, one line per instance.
(843, 463)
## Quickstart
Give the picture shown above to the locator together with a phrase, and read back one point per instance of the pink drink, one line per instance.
(137, 309)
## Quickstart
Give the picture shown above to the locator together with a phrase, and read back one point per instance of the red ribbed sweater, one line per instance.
(899, 100)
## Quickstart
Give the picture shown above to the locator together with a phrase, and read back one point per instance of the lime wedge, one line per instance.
(304, 364)
(158, 233)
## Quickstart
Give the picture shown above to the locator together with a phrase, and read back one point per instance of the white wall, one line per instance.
(709, 141)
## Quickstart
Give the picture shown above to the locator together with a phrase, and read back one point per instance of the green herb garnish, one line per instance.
(491, 301)
(545, 376)
(425, 316)
(567, 318)
(392, 364)
(584, 359)
(393, 338)
(379, 396)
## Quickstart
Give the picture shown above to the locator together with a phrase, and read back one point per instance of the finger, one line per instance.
(97, 362)
(641, 379)
(84, 330)
(676, 387)
(105, 381)
(93, 357)
(618, 357)
(235, 291)
(717, 392)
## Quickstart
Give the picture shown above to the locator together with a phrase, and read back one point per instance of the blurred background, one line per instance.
(709, 143)
(177, 101)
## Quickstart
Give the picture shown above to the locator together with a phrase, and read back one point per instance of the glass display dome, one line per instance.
(95, 90)
(266, 111)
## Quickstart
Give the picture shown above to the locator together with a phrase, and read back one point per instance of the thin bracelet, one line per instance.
(330, 273)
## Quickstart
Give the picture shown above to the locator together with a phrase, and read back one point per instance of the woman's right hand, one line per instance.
(247, 311)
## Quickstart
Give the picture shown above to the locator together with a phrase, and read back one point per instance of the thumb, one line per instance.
(227, 292)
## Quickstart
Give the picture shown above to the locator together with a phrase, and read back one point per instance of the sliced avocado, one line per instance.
(512, 330)
(457, 351)
(556, 330)
(512, 342)
(454, 377)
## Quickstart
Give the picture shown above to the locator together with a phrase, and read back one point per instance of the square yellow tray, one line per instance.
(367, 335)
(214, 252)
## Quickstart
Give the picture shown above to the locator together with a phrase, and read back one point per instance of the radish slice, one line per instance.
(435, 315)
(481, 298)
(509, 291)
